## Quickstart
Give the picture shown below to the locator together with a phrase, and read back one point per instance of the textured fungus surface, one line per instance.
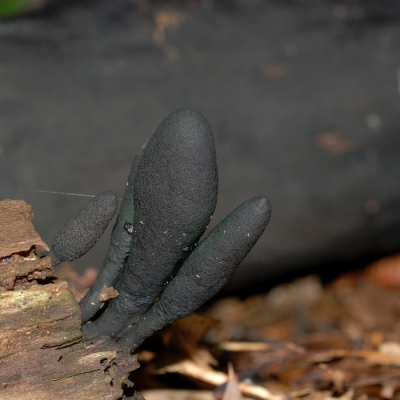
(155, 262)
(175, 193)
(82, 232)
(206, 270)
(118, 250)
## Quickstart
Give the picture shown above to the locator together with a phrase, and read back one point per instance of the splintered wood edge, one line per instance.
(19, 272)
(17, 233)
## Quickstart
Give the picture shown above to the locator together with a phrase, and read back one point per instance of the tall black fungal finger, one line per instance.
(82, 231)
(175, 193)
(118, 249)
(206, 270)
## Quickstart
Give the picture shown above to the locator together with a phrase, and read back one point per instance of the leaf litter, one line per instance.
(302, 340)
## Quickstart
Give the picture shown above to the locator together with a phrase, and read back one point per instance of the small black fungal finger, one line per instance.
(82, 231)
(118, 249)
(206, 270)
(175, 193)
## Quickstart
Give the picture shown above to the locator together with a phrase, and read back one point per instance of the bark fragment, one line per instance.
(17, 233)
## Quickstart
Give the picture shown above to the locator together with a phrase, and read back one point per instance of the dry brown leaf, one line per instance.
(373, 357)
(194, 326)
(216, 378)
(182, 337)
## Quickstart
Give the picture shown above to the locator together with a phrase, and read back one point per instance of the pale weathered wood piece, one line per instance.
(40, 317)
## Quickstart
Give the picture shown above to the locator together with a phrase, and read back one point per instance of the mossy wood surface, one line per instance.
(42, 354)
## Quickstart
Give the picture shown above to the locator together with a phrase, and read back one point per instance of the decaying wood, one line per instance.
(21, 271)
(17, 233)
(19, 264)
(42, 353)
(41, 317)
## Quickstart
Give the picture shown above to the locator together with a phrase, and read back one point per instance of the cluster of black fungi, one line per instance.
(155, 260)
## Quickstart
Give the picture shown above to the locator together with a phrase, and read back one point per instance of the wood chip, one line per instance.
(108, 293)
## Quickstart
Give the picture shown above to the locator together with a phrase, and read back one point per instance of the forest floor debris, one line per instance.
(302, 340)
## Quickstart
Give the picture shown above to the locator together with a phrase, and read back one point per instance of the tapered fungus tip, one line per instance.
(253, 215)
(263, 206)
(186, 120)
(186, 130)
(108, 199)
(106, 204)
(176, 180)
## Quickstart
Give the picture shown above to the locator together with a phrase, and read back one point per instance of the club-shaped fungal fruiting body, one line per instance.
(82, 232)
(155, 260)
(174, 196)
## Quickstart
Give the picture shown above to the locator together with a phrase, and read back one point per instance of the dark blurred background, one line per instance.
(303, 98)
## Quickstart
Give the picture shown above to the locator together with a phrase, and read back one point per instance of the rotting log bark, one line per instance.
(42, 353)
(17, 233)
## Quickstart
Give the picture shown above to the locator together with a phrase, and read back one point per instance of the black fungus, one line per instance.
(175, 193)
(82, 232)
(118, 249)
(154, 252)
(206, 270)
